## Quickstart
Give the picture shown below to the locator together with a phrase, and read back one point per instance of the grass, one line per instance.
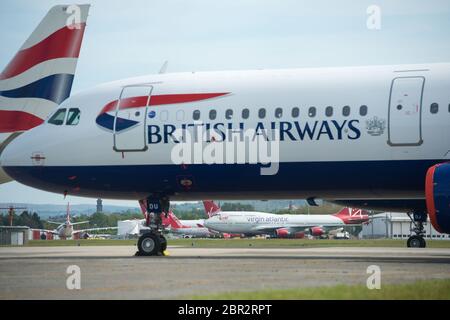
(421, 290)
(243, 243)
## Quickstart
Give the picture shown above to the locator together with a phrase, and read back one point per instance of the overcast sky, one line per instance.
(135, 37)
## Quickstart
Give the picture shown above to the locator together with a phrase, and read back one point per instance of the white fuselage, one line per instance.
(361, 133)
(65, 231)
(192, 231)
(265, 223)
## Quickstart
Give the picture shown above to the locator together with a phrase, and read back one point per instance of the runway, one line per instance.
(112, 272)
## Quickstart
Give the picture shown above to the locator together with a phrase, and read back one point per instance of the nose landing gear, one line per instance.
(417, 240)
(152, 242)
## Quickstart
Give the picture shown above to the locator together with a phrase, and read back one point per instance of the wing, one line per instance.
(94, 229)
(82, 222)
(45, 230)
(57, 223)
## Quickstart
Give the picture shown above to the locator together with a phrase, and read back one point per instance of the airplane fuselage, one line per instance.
(264, 223)
(344, 133)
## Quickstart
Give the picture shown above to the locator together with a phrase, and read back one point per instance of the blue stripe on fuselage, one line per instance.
(361, 178)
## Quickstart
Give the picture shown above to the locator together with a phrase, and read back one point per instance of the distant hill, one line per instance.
(52, 210)
(259, 205)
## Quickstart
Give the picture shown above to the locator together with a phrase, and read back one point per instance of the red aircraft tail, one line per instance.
(211, 208)
(353, 215)
(172, 221)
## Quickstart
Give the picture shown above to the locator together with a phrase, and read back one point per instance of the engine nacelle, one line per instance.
(299, 235)
(282, 233)
(437, 191)
(317, 231)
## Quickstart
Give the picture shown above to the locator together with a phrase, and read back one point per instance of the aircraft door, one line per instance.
(130, 122)
(405, 111)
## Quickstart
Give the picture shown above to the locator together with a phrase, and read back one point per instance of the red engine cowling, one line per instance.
(317, 231)
(299, 235)
(437, 191)
(282, 233)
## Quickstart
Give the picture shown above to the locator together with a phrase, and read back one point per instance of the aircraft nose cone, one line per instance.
(14, 153)
(18, 156)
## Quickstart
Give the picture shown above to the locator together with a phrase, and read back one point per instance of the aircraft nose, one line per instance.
(10, 156)
(18, 156)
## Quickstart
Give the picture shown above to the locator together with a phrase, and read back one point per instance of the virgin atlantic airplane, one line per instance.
(375, 137)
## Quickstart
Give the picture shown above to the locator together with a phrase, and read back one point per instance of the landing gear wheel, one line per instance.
(416, 242)
(163, 244)
(149, 244)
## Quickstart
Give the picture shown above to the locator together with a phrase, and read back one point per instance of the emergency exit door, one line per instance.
(405, 111)
(130, 122)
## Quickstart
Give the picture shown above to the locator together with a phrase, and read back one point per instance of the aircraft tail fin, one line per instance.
(172, 221)
(211, 208)
(353, 215)
(39, 77)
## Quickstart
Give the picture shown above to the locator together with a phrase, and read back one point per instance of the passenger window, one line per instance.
(434, 108)
(295, 112)
(312, 112)
(262, 113)
(164, 115)
(245, 113)
(363, 110)
(180, 115)
(329, 111)
(346, 111)
(196, 115)
(73, 117)
(229, 114)
(212, 114)
(278, 113)
(58, 118)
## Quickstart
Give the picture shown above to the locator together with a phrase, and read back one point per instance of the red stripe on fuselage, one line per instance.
(156, 100)
(13, 121)
(64, 43)
(429, 196)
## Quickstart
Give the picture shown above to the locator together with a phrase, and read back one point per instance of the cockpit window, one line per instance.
(58, 118)
(73, 118)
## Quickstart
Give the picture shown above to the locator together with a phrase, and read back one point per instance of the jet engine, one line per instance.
(437, 192)
(282, 233)
(316, 231)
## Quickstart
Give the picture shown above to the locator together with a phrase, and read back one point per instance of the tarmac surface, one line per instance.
(113, 272)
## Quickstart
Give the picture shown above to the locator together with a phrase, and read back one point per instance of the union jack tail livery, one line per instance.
(211, 208)
(39, 77)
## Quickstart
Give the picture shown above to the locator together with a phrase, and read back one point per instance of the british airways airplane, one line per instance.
(374, 137)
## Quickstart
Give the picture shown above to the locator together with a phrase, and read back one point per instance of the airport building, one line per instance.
(129, 228)
(15, 235)
(395, 225)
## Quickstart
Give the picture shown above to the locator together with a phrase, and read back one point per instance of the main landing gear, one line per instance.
(152, 242)
(417, 240)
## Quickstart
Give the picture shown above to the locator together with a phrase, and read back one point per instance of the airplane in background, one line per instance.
(66, 230)
(41, 74)
(281, 225)
(372, 137)
(177, 227)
